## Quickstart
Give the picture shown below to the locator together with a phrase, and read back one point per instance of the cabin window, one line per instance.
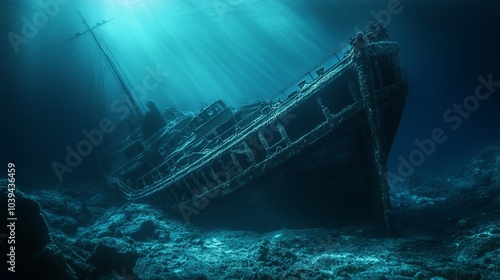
(133, 150)
(336, 96)
(220, 105)
(303, 119)
(384, 71)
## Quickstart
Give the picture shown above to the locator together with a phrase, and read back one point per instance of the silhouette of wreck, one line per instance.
(312, 156)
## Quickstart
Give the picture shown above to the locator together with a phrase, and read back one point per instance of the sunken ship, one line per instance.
(316, 153)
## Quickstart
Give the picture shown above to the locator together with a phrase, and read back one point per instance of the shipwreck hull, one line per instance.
(314, 158)
(332, 182)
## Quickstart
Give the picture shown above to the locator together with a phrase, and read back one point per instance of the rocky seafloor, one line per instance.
(446, 226)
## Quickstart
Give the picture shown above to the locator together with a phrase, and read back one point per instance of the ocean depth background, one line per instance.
(238, 51)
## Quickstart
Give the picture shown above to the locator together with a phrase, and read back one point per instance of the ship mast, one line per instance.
(113, 66)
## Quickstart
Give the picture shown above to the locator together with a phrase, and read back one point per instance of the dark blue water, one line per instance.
(189, 53)
(238, 51)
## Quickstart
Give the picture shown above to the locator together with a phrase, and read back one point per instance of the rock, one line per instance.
(58, 203)
(113, 254)
(67, 225)
(31, 228)
(484, 169)
(36, 257)
(50, 263)
(144, 230)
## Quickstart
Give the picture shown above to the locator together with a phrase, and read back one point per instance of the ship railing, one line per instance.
(218, 135)
(151, 178)
(171, 157)
(316, 72)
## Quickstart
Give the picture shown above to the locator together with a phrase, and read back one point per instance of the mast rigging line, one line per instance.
(113, 66)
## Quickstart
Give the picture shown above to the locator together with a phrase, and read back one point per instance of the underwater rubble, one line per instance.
(446, 227)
